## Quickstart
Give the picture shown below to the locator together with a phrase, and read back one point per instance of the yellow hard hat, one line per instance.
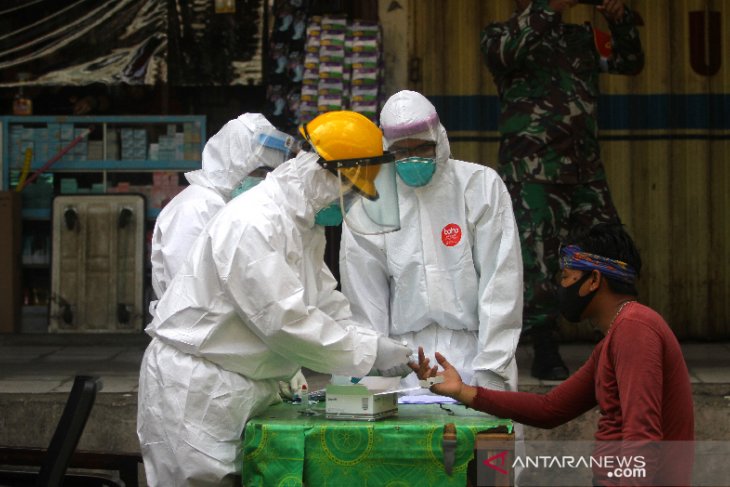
(349, 143)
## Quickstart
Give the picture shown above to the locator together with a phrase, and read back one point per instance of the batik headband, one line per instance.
(573, 257)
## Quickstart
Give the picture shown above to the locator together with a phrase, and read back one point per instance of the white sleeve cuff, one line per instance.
(489, 380)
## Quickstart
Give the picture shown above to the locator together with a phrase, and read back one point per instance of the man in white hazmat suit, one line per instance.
(451, 278)
(252, 303)
(234, 160)
(237, 150)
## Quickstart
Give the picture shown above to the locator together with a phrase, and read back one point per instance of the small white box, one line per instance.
(371, 399)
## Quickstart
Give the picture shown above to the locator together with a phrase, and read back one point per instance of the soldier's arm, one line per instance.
(627, 55)
(505, 45)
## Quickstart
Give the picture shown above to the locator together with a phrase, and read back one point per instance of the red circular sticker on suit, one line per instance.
(451, 234)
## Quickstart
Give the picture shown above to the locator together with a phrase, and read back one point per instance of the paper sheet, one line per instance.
(426, 399)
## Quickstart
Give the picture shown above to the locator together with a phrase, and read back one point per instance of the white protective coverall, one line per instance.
(253, 302)
(226, 162)
(450, 280)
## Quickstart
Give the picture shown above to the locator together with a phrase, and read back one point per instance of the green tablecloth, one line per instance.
(284, 448)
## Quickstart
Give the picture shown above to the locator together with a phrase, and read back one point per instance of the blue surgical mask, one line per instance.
(416, 171)
(330, 216)
(247, 183)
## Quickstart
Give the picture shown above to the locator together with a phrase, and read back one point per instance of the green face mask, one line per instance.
(247, 183)
(416, 171)
(330, 216)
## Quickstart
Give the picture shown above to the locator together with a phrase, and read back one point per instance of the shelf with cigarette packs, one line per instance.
(107, 154)
(49, 155)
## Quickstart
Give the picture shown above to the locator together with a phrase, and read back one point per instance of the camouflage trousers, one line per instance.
(546, 215)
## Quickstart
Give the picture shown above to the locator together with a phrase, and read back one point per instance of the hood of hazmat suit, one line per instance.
(228, 157)
(451, 279)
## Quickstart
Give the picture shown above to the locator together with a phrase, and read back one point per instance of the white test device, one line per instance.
(427, 383)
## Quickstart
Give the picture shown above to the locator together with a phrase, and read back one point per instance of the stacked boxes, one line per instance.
(79, 151)
(45, 142)
(68, 134)
(54, 140)
(342, 68)
(134, 144)
(310, 78)
(167, 145)
(179, 141)
(96, 150)
(177, 146)
(164, 187)
(331, 87)
(21, 139)
(366, 68)
(191, 141)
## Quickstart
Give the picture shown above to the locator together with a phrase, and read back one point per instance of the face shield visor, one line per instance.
(368, 193)
(271, 147)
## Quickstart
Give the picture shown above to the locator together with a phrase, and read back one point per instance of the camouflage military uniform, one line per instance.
(546, 73)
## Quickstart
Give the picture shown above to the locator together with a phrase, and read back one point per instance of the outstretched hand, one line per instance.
(452, 386)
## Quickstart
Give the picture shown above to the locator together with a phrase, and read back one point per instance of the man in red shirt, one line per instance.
(636, 374)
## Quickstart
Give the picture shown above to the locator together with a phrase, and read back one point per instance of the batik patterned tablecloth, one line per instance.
(285, 448)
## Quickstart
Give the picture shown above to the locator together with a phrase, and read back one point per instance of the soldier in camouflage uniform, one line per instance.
(546, 73)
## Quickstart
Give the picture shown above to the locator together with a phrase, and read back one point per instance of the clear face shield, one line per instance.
(368, 193)
(271, 147)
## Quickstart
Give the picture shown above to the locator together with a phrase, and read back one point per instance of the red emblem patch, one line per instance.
(451, 234)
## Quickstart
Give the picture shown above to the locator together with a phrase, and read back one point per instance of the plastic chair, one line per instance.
(56, 459)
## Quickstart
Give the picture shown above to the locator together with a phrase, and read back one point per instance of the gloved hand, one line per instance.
(397, 371)
(288, 389)
(297, 381)
(392, 358)
(285, 391)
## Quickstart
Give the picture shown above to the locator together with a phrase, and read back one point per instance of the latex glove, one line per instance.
(297, 381)
(391, 357)
(397, 371)
(288, 389)
(489, 380)
(285, 391)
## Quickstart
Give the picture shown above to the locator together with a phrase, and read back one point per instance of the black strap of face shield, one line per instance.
(335, 164)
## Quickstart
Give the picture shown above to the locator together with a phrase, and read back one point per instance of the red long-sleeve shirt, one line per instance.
(638, 378)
